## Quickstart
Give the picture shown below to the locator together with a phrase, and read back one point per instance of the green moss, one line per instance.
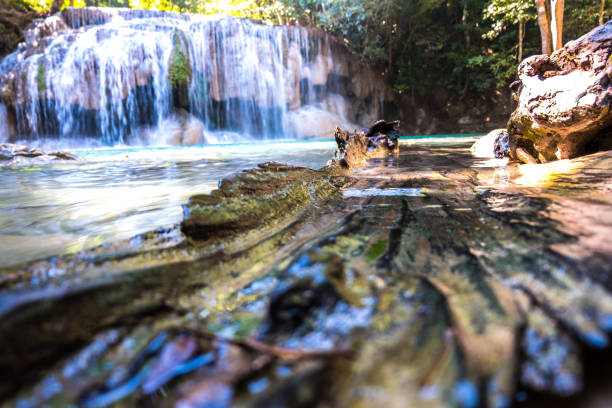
(41, 76)
(179, 70)
(255, 199)
(376, 250)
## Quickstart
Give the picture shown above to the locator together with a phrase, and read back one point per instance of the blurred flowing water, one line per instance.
(121, 76)
(115, 193)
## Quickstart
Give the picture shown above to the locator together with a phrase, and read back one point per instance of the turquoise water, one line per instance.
(115, 193)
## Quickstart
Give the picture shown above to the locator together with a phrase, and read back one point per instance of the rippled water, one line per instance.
(115, 193)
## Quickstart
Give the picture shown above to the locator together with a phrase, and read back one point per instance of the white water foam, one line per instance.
(4, 131)
(107, 77)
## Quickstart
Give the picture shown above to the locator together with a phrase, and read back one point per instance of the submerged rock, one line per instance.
(257, 198)
(450, 297)
(12, 153)
(564, 101)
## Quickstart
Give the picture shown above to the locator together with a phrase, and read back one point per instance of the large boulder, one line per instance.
(179, 129)
(564, 101)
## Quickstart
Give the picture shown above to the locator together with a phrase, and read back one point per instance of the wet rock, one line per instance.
(315, 305)
(273, 192)
(257, 198)
(501, 146)
(564, 101)
(354, 148)
(450, 297)
(13, 153)
(552, 359)
(51, 26)
(305, 291)
(492, 145)
(87, 16)
(385, 128)
(383, 136)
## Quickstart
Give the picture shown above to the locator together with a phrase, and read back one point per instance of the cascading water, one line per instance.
(130, 76)
(4, 132)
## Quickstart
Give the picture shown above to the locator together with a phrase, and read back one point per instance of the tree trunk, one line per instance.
(72, 3)
(56, 5)
(279, 16)
(389, 23)
(601, 12)
(544, 24)
(466, 32)
(557, 22)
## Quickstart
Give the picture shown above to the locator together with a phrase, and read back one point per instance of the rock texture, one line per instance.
(12, 153)
(564, 101)
(356, 147)
(256, 198)
(273, 193)
(423, 283)
(493, 145)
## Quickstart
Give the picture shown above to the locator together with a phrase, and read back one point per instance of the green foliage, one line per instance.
(41, 76)
(179, 70)
(582, 15)
(503, 13)
(31, 5)
(376, 250)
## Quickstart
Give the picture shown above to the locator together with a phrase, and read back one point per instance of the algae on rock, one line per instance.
(179, 69)
(41, 80)
(255, 198)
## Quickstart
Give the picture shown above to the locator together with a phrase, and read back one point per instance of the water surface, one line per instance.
(115, 193)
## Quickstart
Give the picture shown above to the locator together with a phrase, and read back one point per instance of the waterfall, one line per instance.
(121, 75)
(4, 132)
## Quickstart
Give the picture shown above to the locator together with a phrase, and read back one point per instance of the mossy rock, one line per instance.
(179, 70)
(257, 198)
(41, 76)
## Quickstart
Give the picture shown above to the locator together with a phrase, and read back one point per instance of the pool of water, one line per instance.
(115, 193)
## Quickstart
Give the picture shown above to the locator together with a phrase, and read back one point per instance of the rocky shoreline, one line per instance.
(14, 154)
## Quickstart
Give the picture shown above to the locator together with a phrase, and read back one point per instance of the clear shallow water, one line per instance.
(115, 193)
